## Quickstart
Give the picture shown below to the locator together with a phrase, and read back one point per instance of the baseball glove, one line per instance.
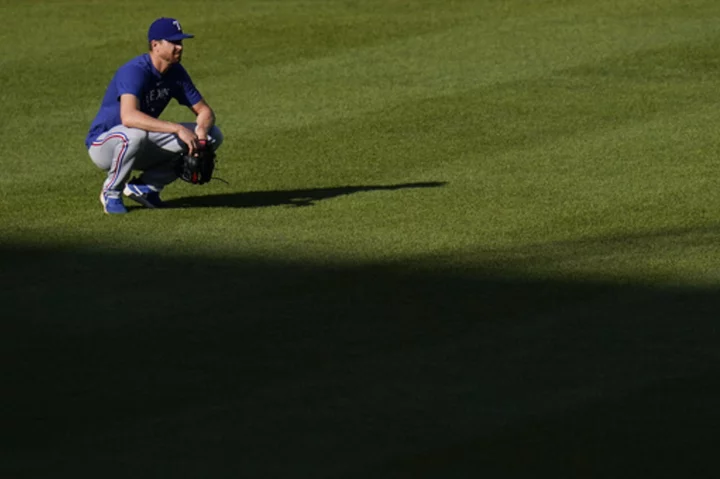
(198, 167)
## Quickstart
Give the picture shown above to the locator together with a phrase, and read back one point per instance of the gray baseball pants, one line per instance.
(121, 150)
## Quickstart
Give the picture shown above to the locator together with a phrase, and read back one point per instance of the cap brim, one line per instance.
(179, 36)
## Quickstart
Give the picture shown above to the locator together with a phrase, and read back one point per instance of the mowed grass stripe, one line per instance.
(451, 62)
(582, 102)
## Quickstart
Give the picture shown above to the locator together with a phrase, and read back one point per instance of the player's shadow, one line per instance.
(305, 197)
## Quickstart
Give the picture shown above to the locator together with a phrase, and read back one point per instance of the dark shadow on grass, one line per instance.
(247, 367)
(304, 197)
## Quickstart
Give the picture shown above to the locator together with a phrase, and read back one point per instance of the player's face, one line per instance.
(170, 51)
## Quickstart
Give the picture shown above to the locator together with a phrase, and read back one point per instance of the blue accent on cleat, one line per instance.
(112, 205)
(146, 195)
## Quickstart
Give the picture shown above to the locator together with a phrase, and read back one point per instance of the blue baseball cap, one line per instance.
(167, 29)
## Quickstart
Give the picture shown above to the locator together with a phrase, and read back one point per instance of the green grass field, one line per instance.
(467, 238)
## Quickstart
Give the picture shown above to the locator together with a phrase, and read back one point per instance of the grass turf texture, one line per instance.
(458, 237)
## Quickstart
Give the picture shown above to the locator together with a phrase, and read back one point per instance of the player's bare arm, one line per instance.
(205, 118)
(132, 117)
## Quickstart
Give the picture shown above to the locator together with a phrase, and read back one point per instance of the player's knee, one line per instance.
(216, 136)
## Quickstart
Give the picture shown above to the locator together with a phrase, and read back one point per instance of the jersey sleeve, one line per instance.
(186, 93)
(130, 79)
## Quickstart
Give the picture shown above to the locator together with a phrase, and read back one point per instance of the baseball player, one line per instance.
(127, 134)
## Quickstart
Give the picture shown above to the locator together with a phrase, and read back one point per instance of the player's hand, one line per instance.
(189, 138)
